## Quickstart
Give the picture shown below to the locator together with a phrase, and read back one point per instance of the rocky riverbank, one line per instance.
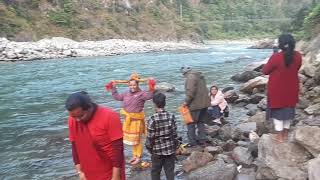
(58, 47)
(245, 150)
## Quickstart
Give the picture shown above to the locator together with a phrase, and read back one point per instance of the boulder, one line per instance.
(213, 150)
(247, 127)
(227, 89)
(284, 159)
(218, 170)
(212, 130)
(307, 136)
(190, 150)
(245, 76)
(165, 87)
(263, 126)
(263, 104)
(314, 169)
(258, 82)
(256, 66)
(263, 44)
(229, 145)
(256, 98)
(196, 160)
(313, 109)
(231, 96)
(242, 156)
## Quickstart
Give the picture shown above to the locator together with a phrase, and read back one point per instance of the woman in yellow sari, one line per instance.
(132, 109)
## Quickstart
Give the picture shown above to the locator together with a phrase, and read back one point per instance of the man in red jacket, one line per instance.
(283, 85)
(95, 133)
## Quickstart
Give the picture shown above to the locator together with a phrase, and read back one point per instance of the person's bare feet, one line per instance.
(136, 161)
(277, 137)
(285, 134)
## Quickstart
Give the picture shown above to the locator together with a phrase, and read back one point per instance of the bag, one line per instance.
(185, 114)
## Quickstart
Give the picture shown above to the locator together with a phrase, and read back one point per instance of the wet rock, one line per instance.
(213, 150)
(307, 136)
(218, 170)
(256, 98)
(246, 76)
(212, 130)
(225, 158)
(264, 173)
(242, 156)
(314, 169)
(196, 160)
(227, 89)
(284, 159)
(243, 143)
(258, 82)
(225, 132)
(229, 145)
(231, 96)
(165, 87)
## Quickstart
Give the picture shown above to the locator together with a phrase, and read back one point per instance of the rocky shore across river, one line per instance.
(59, 47)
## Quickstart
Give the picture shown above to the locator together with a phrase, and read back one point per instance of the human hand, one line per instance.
(152, 84)
(82, 176)
(109, 86)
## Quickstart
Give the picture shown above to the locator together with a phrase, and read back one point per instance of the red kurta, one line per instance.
(93, 143)
(283, 85)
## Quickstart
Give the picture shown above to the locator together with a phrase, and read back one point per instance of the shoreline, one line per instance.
(59, 47)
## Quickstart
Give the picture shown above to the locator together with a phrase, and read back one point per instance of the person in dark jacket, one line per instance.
(197, 100)
(283, 85)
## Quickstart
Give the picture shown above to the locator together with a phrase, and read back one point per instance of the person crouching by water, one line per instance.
(162, 140)
(218, 104)
(96, 136)
(283, 86)
(132, 109)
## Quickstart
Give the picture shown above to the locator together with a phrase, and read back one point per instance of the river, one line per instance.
(33, 126)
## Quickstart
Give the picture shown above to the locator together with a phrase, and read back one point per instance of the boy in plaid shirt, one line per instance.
(162, 140)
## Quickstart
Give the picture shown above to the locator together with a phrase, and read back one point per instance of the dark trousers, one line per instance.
(214, 112)
(167, 162)
(199, 117)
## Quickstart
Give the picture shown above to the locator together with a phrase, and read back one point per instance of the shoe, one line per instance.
(217, 121)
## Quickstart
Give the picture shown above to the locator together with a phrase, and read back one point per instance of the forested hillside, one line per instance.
(23, 20)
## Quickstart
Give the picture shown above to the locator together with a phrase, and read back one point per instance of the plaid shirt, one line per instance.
(162, 136)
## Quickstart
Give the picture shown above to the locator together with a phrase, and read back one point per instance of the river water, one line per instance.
(33, 126)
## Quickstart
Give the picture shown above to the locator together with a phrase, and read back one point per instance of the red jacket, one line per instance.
(283, 85)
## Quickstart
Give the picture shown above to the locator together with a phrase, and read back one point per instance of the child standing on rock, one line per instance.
(162, 140)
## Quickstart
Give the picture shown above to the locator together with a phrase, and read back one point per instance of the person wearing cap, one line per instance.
(197, 100)
(133, 102)
(96, 136)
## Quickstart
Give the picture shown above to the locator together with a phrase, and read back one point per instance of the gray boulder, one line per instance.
(258, 82)
(314, 169)
(308, 137)
(245, 76)
(313, 109)
(284, 159)
(242, 156)
(218, 170)
(231, 96)
(196, 160)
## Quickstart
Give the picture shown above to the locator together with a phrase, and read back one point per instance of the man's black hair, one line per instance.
(79, 99)
(159, 100)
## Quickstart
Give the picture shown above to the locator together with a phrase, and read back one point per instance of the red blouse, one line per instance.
(283, 85)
